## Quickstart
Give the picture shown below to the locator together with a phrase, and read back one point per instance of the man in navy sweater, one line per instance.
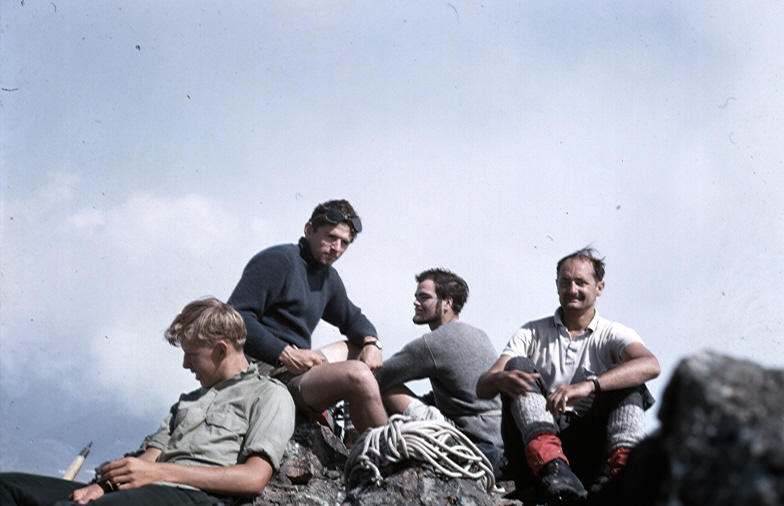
(283, 293)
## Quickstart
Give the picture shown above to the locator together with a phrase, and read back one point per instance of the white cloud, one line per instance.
(137, 367)
(55, 188)
(59, 188)
(147, 223)
(88, 219)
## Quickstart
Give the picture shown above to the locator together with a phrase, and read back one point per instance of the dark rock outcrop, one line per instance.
(312, 474)
(721, 440)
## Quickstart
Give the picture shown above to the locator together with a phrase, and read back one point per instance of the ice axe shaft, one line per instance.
(76, 465)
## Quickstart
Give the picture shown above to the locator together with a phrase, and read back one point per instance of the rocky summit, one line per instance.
(721, 442)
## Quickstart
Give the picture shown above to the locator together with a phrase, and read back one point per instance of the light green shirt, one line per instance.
(225, 424)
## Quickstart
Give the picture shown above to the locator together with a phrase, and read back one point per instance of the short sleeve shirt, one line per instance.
(225, 424)
(561, 360)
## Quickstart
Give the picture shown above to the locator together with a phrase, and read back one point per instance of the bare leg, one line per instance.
(397, 399)
(340, 351)
(350, 380)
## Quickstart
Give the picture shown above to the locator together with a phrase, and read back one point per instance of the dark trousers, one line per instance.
(583, 433)
(20, 489)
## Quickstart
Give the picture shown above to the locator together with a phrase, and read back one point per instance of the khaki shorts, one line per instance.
(292, 382)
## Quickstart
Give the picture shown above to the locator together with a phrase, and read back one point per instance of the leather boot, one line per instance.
(615, 464)
(560, 482)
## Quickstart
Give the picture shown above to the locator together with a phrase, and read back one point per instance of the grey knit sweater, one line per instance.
(453, 357)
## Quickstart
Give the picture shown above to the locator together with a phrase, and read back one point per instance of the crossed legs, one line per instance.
(612, 424)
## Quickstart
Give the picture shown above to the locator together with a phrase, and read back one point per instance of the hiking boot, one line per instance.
(560, 482)
(600, 484)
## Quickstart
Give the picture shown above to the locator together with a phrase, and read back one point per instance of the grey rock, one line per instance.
(312, 474)
(721, 443)
(721, 440)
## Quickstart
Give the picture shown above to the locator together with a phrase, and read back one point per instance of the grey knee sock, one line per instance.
(531, 415)
(625, 426)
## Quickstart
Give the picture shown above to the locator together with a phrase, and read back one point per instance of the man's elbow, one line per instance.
(256, 475)
(652, 369)
(483, 388)
(259, 486)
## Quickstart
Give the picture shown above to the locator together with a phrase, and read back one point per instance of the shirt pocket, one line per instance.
(226, 420)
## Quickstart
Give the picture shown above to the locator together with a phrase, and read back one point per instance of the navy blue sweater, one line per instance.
(282, 295)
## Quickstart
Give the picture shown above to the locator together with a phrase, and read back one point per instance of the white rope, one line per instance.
(439, 444)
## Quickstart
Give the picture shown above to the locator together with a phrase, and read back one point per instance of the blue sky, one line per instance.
(148, 150)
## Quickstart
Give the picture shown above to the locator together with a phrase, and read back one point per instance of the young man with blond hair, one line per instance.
(222, 441)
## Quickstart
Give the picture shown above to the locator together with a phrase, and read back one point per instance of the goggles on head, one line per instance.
(335, 216)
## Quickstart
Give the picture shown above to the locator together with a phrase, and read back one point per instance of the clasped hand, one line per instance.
(516, 383)
(299, 361)
(120, 474)
(372, 357)
(567, 395)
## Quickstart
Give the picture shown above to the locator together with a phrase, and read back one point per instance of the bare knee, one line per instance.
(397, 398)
(361, 382)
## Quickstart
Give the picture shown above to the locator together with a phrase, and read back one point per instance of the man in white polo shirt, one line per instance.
(573, 388)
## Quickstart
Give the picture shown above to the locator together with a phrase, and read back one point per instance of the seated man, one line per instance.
(283, 293)
(222, 440)
(452, 356)
(573, 388)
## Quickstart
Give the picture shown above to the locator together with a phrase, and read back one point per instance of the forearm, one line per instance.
(150, 455)
(631, 373)
(410, 363)
(346, 316)
(249, 478)
(488, 385)
(360, 330)
(491, 383)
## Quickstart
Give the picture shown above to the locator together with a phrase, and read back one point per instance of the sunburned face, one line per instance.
(203, 361)
(577, 286)
(427, 306)
(328, 243)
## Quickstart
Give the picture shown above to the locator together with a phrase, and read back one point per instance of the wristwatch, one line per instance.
(375, 343)
(597, 387)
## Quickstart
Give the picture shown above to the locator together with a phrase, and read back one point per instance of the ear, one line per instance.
(599, 288)
(221, 348)
(447, 304)
(308, 229)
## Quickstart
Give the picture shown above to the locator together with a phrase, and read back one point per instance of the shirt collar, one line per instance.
(594, 321)
(253, 368)
(591, 326)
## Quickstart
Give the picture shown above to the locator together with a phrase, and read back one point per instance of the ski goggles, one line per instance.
(335, 216)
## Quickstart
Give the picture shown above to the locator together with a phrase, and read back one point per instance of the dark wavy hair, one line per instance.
(318, 217)
(589, 254)
(448, 284)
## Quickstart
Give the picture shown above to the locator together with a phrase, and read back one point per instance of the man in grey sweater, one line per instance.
(453, 356)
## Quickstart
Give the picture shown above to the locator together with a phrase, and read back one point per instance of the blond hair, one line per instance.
(206, 322)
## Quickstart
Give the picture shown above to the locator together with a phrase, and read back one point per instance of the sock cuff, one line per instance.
(542, 448)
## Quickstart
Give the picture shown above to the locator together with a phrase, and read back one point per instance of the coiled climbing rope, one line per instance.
(439, 444)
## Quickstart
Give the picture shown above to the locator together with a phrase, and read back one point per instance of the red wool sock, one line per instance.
(541, 449)
(617, 460)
